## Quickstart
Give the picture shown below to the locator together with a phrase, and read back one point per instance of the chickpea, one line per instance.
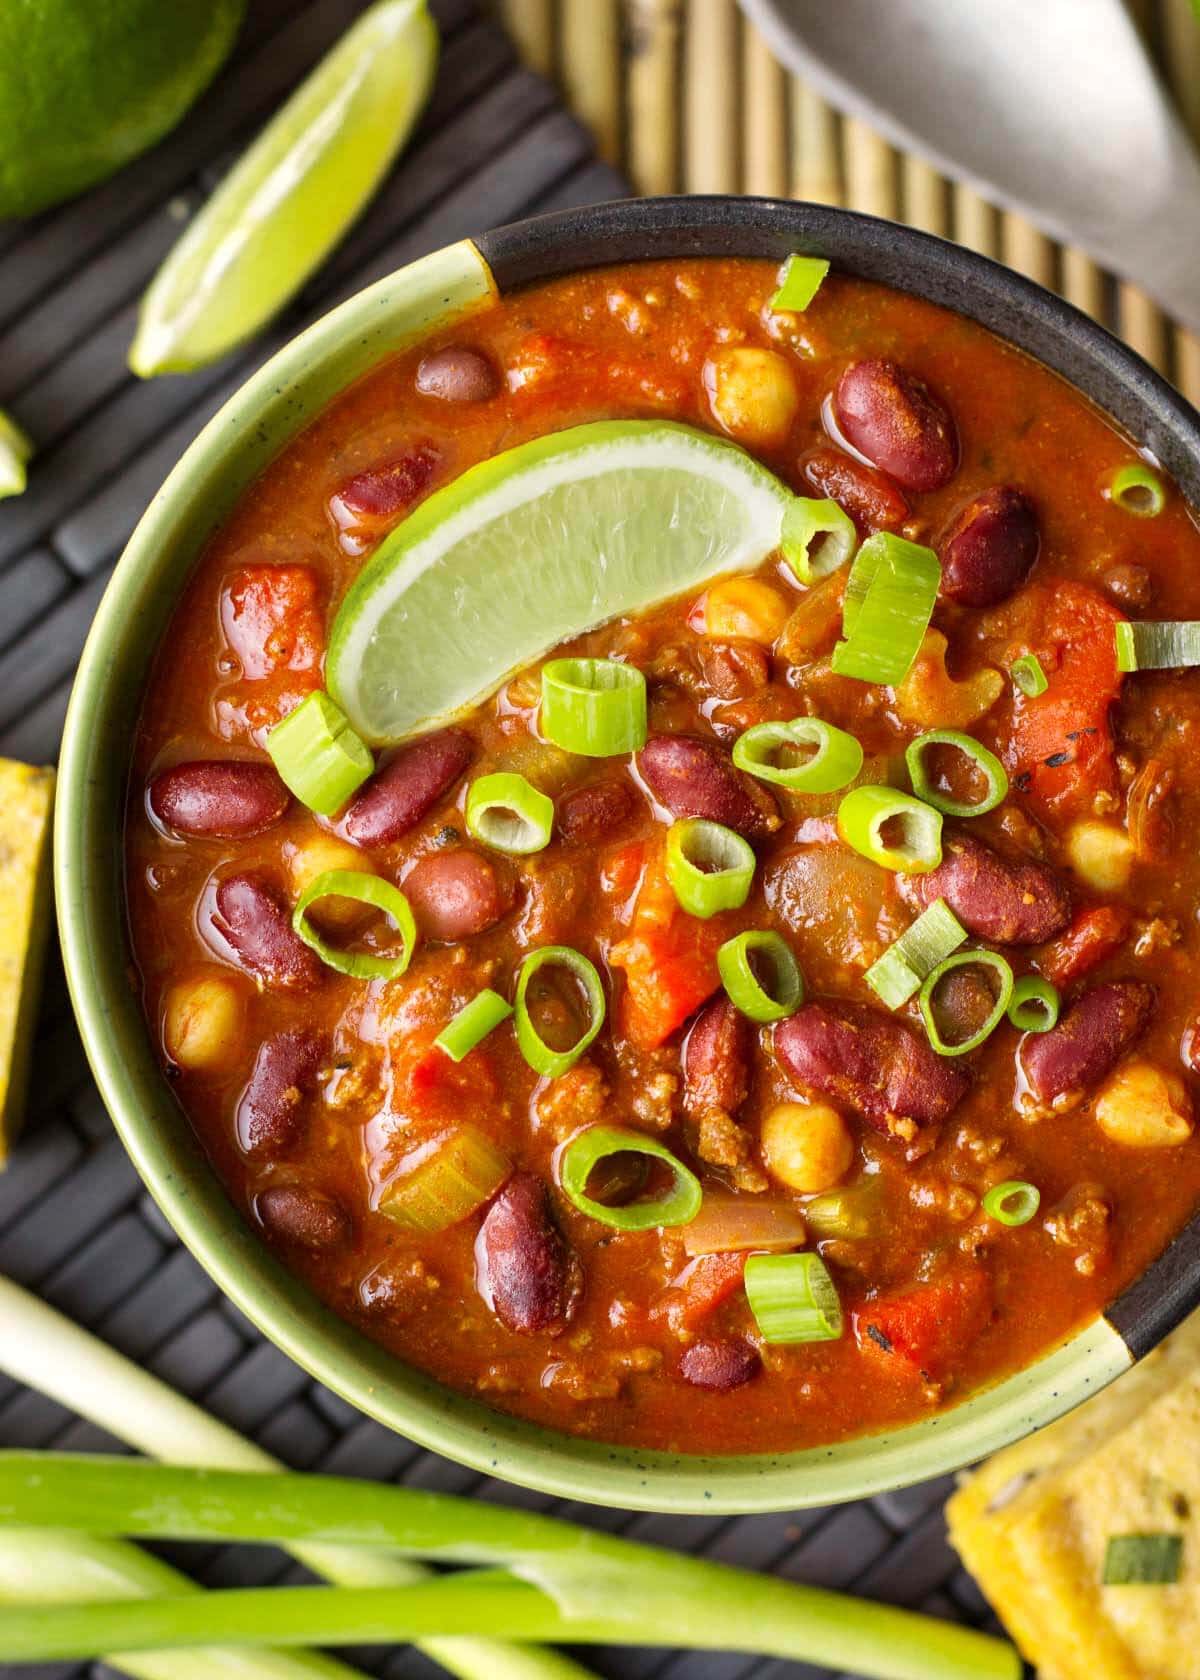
(1101, 854)
(745, 609)
(752, 394)
(202, 1023)
(806, 1146)
(1143, 1107)
(315, 856)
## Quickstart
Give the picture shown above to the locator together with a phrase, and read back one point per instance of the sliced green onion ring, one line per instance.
(474, 1021)
(793, 1298)
(541, 1058)
(596, 707)
(890, 596)
(834, 763)
(985, 762)
(710, 868)
(746, 991)
(583, 1153)
(1034, 1004)
(1028, 675)
(999, 1009)
(366, 889)
(1012, 1203)
(808, 518)
(318, 756)
(897, 974)
(799, 282)
(865, 812)
(509, 814)
(1160, 645)
(1136, 489)
(1142, 1560)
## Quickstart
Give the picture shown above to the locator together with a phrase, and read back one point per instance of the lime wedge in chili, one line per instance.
(536, 545)
(15, 450)
(292, 194)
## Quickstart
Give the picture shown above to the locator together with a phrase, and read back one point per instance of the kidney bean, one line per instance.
(869, 1062)
(457, 892)
(993, 897)
(734, 670)
(409, 784)
(254, 922)
(595, 811)
(308, 1218)
(719, 1364)
(716, 1057)
(693, 778)
(524, 1269)
(458, 374)
(382, 491)
(991, 548)
(269, 1112)
(897, 423)
(218, 798)
(871, 501)
(1061, 1065)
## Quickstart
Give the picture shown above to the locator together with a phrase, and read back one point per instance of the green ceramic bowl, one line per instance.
(226, 457)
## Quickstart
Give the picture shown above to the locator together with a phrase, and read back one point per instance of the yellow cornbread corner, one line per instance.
(1033, 1524)
(26, 802)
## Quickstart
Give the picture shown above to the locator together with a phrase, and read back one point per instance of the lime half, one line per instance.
(15, 450)
(292, 195)
(538, 544)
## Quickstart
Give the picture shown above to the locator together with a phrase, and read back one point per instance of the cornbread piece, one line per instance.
(26, 800)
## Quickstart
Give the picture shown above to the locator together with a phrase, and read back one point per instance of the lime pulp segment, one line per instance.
(15, 450)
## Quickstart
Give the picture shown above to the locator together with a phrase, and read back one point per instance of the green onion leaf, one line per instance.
(984, 762)
(853, 1211)
(1028, 675)
(799, 282)
(1034, 1004)
(577, 1160)
(542, 1058)
(793, 1298)
(898, 973)
(1012, 1203)
(318, 756)
(835, 761)
(1136, 489)
(890, 596)
(1157, 646)
(596, 707)
(474, 1021)
(464, 1171)
(760, 1001)
(865, 813)
(509, 814)
(818, 537)
(1143, 1560)
(967, 959)
(366, 889)
(710, 868)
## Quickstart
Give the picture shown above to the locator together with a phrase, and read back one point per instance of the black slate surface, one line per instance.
(75, 1224)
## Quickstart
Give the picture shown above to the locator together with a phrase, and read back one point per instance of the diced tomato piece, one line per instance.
(669, 959)
(1093, 936)
(1059, 750)
(921, 1331)
(619, 874)
(272, 620)
(700, 1288)
(428, 1085)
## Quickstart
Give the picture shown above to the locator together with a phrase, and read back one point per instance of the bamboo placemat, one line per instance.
(684, 96)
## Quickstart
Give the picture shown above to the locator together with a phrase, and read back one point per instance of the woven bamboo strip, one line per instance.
(711, 110)
(652, 85)
(531, 24)
(871, 176)
(1083, 283)
(1027, 249)
(816, 154)
(590, 39)
(765, 120)
(976, 222)
(926, 195)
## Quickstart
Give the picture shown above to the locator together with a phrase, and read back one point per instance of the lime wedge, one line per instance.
(15, 450)
(538, 544)
(292, 195)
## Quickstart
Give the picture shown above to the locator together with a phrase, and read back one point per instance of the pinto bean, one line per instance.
(457, 892)
(524, 1269)
(409, 784)
(897, 423)
(1061, 1065)
(869, 1062)
(993, 897)
(253, 921)
(716, 1056)
(991, 548)
(719, 1363)
(458, 374)
(218, 798)
(693, 778)
(595, 811)
(269, 1112)
(308, 1218)
(871, 501)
